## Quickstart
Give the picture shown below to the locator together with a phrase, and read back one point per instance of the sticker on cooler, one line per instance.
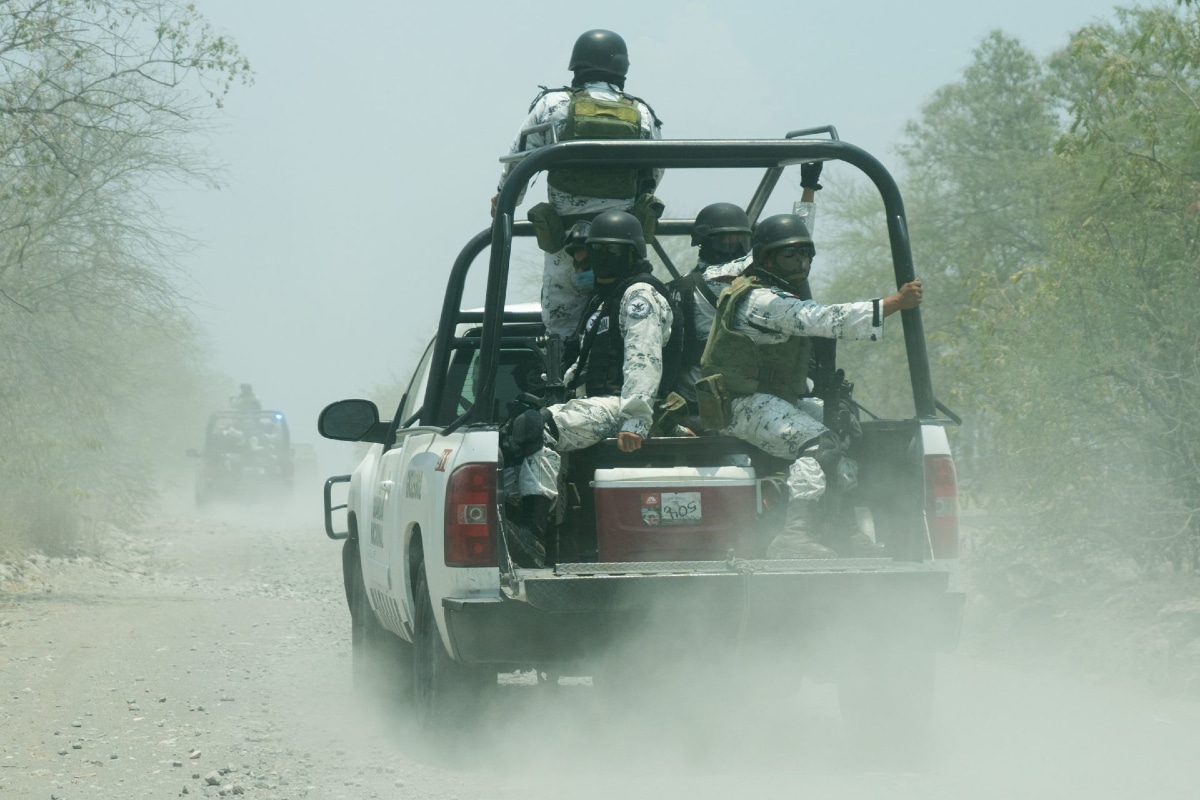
(671, 508)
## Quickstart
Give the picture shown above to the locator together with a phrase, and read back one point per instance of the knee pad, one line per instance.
(527, 432)
(826, 449)
(549, 424)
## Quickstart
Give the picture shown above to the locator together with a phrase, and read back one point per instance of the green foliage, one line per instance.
(98, 101)
(1054, 208)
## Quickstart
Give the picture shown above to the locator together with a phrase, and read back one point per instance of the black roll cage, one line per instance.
(771, 155)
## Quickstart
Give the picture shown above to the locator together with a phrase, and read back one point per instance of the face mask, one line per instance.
(721, 248)
(609, 262)
(585, 281)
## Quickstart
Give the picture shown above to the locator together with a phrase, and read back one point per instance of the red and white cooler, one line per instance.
(675, 513)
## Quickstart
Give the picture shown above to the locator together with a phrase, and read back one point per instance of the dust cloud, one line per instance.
(236, 615)
(674, 727)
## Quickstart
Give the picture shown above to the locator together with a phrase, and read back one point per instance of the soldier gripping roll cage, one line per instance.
(755, 368)
(722, 234)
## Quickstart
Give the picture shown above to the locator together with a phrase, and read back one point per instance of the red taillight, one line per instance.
(941, 505)
(470, 536)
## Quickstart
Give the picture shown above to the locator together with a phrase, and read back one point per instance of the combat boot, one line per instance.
(848, 539)
(537, 511)
(526, 539)
(858, 545)
(797, 539)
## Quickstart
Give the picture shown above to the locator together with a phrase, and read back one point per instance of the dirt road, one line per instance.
(210, 657)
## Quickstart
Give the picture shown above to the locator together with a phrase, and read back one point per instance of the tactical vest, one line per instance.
(683, 298)
(591, 117)
(778, 369)
(602, 351)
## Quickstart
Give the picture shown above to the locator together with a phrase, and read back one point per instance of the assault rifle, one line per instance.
(840, 410)
(554, 391)
(841, 417)
(833, 390)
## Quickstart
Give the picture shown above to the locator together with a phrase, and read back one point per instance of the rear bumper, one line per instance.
(578, 612)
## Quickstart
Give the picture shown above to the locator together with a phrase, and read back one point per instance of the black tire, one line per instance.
(447, 695)
(380, 660)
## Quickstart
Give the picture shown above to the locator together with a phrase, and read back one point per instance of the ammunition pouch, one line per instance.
(669, 413)
(551, 228)
(715, 401)
(548, 227)
(648, 209)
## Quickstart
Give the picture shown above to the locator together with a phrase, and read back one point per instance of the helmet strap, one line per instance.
(592, 75)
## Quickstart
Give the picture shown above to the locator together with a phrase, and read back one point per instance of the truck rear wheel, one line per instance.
(380, 660)
(446, 694)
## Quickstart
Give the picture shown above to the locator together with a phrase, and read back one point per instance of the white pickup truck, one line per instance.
(667, 542)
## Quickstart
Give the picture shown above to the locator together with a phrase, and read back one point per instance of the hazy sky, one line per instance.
(366, 152)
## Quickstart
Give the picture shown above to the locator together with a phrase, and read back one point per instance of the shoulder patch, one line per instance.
(638, 308)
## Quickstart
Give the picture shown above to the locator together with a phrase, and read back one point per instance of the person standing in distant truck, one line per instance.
(245, 399)
(628, 346)
(594, 106)
(755, 368)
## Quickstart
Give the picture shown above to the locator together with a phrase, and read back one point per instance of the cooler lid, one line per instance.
(673, 476)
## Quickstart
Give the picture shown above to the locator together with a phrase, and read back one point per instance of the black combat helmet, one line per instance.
(618, 227)
(616, 245)
(600, 50)
(779, 231)
(722, 230)
(719, 218)
(577, 237)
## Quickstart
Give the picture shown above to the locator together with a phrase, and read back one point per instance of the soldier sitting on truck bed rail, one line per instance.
(594, 106)
(628, 345)
(722, 233)
(756, 368)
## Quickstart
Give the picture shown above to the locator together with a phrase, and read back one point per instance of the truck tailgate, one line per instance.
(563, 610)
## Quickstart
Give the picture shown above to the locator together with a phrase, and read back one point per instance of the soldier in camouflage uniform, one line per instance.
(626, 326)
(599, 62)
(760, 347)
(722, 233)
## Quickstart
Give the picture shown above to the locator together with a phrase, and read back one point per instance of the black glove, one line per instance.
(810, 173)
(846, 420)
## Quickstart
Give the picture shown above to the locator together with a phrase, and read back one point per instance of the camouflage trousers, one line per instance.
(581, 423)
(562, 302)
(777, 427)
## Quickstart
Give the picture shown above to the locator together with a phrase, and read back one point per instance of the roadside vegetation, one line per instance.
(1054, 210)
(100, 101)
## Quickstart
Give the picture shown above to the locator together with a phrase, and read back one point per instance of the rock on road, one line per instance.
(209, 657)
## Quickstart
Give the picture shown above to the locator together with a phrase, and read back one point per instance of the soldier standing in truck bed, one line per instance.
(594, 106)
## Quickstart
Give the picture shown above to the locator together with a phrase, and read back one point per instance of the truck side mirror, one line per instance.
(351, 421)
